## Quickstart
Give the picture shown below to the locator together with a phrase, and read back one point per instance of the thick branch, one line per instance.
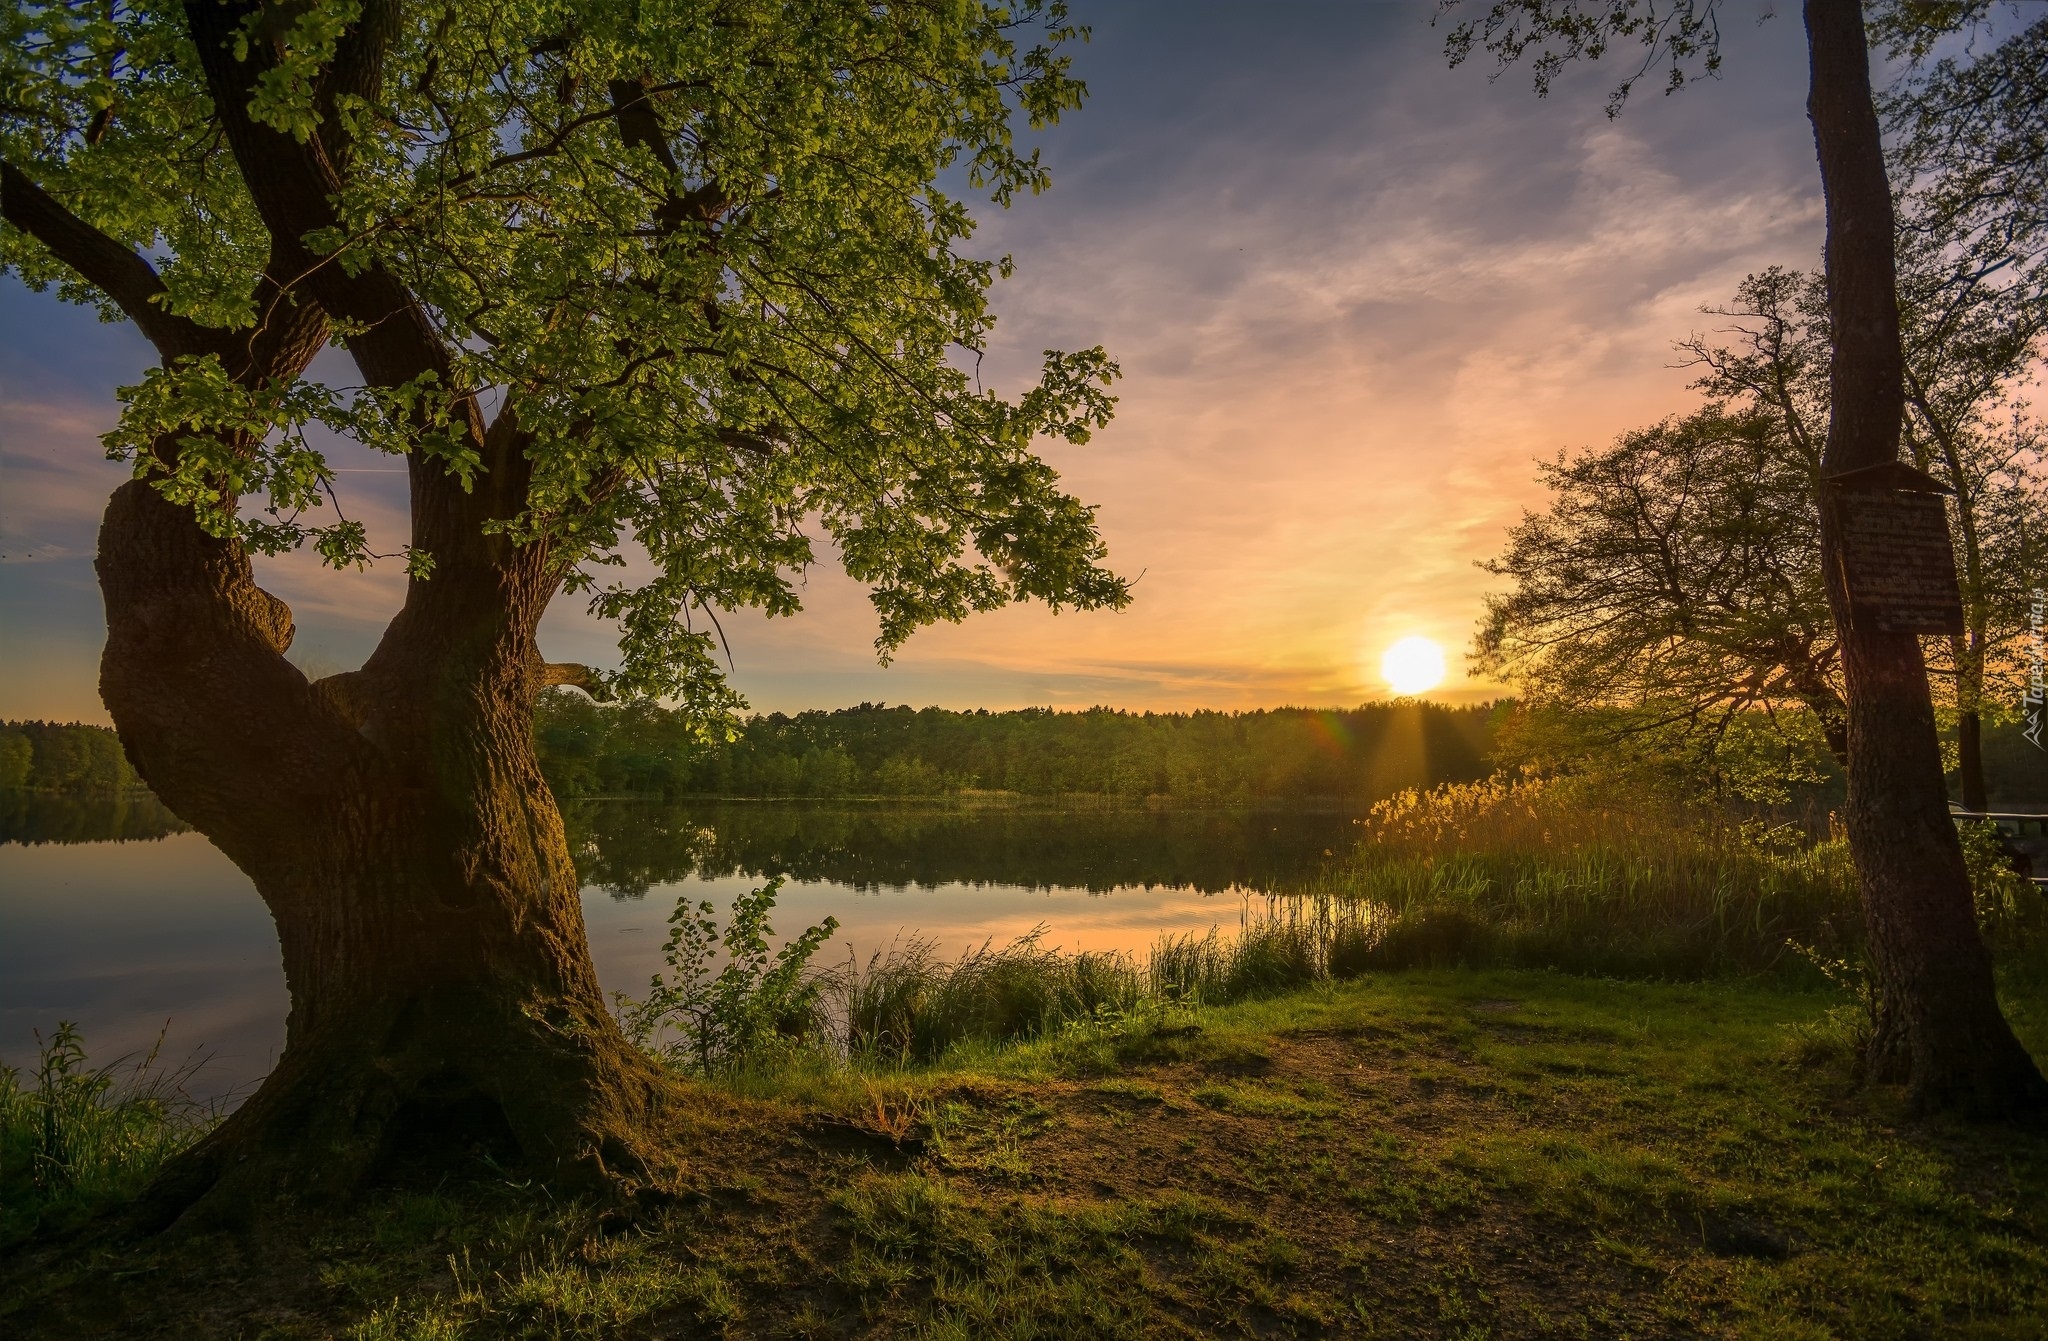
(292, 185)
(640, 127)
(347, 693)
(115, 270)
(575, 676)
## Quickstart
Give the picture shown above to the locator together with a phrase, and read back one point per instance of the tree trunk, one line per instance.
(395, 823)
(393, 819)
(1828, 709)
(1939, 1028)
(1970, 760)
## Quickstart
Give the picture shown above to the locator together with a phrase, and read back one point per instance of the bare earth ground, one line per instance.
(1458, 1155)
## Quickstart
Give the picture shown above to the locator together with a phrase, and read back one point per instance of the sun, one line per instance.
(1413, 665)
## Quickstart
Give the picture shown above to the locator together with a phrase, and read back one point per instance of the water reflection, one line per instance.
(121, 935)
(627, 848)
(32, 817)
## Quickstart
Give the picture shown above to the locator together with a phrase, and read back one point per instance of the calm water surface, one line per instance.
(114, 917)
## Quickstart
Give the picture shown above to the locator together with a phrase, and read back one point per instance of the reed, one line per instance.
(908, 1002)
(1562, 876)
(80, 1136)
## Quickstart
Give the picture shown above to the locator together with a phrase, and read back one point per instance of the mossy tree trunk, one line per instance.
(396, 825)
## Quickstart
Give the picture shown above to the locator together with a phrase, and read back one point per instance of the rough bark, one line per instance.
(442, 992)
(1966, 651)
(1939, 1027)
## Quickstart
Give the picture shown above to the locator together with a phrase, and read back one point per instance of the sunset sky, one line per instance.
(1355, 295)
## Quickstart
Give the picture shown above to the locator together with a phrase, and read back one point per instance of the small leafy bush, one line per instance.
(762, 1004)
(2011, 910)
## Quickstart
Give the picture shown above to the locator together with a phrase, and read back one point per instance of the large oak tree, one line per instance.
(1939, 1027)
(648, 296)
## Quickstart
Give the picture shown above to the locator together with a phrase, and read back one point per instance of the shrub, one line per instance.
(756, 1006)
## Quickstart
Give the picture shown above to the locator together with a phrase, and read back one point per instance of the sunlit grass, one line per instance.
(1351, 1156)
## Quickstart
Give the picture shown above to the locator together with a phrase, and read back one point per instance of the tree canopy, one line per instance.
(692, 263)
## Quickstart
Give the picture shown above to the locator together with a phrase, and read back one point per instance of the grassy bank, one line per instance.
(1455, 1154)
(1539, 875)
(1523, 1064)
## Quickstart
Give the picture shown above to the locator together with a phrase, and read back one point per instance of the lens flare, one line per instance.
(1412, 666)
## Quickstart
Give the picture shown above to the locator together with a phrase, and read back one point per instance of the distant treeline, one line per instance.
(67, 757)
(1283, 754)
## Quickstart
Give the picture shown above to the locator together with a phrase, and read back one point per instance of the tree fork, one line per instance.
(442, 990)
(1939, 1028)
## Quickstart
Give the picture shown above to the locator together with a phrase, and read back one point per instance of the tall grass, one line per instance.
(910, 1003)
(80, 1137)
(1555, 875)
(1289, 943)
(1564, 875)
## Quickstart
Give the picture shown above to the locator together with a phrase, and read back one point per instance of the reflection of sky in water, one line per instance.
(121, 937)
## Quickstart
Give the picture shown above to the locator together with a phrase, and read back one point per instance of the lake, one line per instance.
(115, 916)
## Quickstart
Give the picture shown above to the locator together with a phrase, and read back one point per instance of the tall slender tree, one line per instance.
(1939, 1027)
(1971, 344)
(635, 287)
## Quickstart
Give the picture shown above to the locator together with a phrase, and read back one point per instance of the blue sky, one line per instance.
(1355, 295)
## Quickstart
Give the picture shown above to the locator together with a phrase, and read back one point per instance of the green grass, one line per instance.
(1495, 1153)
(81, 1137)
(1628, 1110)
